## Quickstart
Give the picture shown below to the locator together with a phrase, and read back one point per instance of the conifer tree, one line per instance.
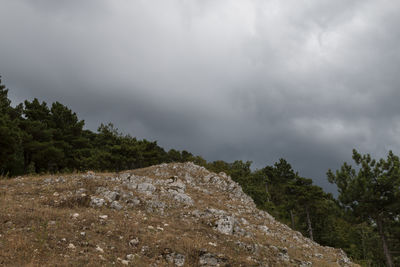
(372, 191)
(10, 136)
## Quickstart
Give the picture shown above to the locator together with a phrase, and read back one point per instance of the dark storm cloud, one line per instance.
(252, 80)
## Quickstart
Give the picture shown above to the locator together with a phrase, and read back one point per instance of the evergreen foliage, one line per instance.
(372, 193)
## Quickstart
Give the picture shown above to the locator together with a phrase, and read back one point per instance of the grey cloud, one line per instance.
(253, 80)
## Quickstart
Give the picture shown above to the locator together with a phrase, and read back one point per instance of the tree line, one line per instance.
(39, 138)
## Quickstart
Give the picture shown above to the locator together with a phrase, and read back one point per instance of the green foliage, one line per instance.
(10, 135)
(372, 193)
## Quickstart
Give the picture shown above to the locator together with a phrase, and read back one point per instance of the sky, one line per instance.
(258, 80)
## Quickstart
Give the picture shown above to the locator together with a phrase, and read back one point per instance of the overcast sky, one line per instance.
(259, 80)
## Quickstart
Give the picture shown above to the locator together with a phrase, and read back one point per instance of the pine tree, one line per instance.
(40, 152)
(10, 136)
(372, 191)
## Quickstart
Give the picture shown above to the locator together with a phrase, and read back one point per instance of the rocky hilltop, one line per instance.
(167, 215)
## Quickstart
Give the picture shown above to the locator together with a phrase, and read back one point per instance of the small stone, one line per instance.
(145, 249)
(133, 202)
(134, 242)
(71, 246)
(56, 194)
(75, 215)
(83, 234)
(318, 255)
(115, 205)
(99, 249)
(130, 257)
(125, 176)
(209, 259)
(182, 198)
(226, 224)
(264, 228)
(146, 188)
(103, 217)
(97, 202)
(178, 259)
(111, 195)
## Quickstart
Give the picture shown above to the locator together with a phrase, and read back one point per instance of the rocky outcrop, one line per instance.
(212, 200)
(176, 214)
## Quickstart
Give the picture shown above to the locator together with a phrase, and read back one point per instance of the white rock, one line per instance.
(208, 259)
(71, 246)
(111, 195)
(97, 202)
(226, 224)
(103, 217)
(178, 186)
(179, 259)
(146, 188)
(134, 242)
(125, 176)
(263, 228)
(244, 221)
(319, 255)
(131, 257)
(115, 205)
(183, 198)
(99, 249)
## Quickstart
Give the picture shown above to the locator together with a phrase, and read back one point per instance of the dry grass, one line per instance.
(37, 226)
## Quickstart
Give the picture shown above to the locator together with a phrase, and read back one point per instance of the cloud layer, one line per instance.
(254, 80)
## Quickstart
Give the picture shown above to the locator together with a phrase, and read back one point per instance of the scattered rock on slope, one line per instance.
(178, 214)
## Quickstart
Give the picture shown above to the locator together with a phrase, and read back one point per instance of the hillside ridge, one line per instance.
(177, 214)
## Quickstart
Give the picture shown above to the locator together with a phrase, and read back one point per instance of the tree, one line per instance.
(372, 191)
(10, 135)
(67, 135)
(278, 178)
(40, 152)
(305, 197)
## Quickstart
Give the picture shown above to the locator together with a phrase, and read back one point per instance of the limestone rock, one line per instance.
(183, 198)
(146, 188)
(209, 259)
(226, 224)
(115, 205)
(97, 202)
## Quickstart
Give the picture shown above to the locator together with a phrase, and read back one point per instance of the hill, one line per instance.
(176, 214)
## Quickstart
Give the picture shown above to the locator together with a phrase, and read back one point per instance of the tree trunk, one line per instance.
(292, 218)
(310, 232)
(363, 243)
(266, 190)
(385, 247)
